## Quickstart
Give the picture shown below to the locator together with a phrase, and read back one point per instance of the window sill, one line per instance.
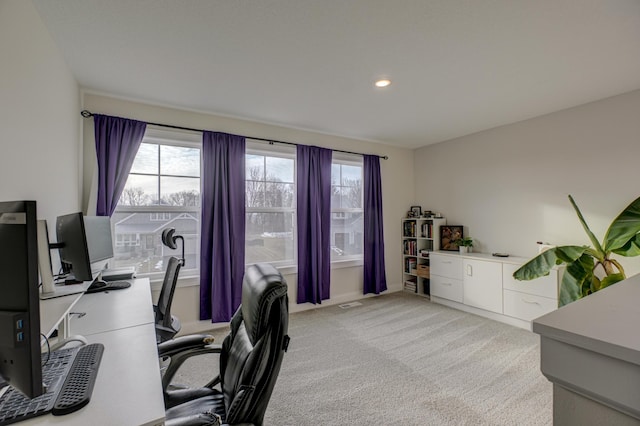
(194, 280)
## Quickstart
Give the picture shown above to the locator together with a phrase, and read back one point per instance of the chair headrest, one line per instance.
(168, 239)
(263, 286)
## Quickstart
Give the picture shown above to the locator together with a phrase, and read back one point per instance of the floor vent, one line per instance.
(350, 305)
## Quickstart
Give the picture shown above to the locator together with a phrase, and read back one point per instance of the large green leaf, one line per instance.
(611, 279)
(631, 249)
(541, 264)
(592, 237)
(576, 279)
(623, 230)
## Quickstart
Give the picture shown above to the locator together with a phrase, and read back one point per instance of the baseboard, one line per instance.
(516, 322)
(204, 326)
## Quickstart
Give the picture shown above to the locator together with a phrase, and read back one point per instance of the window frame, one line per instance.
(178, 138)
(254, 147)
(357, 161)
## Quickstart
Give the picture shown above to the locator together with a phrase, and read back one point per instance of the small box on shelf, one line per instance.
(423, 271)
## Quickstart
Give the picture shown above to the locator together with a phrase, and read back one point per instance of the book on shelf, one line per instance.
(409, 229)
(411, 286)
(410, 247)
(410, 265)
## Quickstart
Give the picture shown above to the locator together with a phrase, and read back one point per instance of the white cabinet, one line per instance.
(446, 266)
(528, 300)
(446, 277)
(482, 284)
(527, 306)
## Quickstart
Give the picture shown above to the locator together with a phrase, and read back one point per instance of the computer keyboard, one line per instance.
(99, 286)
(69, 376)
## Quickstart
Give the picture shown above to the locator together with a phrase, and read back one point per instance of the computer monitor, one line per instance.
(72, 245)
(99, 241)
(20, 360)
(85, 244)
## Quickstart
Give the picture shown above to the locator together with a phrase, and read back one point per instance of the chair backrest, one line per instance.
(166, 292)
(252, 353)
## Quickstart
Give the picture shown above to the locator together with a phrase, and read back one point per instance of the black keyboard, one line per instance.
(99, 286)
(69, 376)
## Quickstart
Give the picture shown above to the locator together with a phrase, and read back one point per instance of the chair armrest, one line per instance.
(183, 348)
(184, 343)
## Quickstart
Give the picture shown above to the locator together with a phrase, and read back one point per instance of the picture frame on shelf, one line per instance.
(416, 210)
(448, 235)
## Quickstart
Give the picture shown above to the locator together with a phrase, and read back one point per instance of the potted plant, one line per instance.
(589, 269)
(465, 245)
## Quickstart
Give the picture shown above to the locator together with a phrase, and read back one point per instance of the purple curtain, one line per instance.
(314, 222)
(223, 222)
(375, 280)
(117, 142)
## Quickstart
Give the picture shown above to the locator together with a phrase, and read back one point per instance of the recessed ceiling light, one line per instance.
(383, 82)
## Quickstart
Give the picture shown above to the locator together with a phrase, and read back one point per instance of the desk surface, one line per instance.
(113, 310)
(128, 388)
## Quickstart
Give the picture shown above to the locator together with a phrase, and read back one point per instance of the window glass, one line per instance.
(270, 207)
(162, 191)
(347, 221)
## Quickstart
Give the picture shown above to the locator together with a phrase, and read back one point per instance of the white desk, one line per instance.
(113, 310)
(128, 388)
(54, 314)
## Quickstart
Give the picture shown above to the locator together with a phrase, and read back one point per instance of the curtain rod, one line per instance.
(86, 114)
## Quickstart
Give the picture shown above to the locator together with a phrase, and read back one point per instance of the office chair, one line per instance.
(250, 358)
(167, 325)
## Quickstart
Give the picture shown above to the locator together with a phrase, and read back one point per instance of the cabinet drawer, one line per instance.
(543, 286)
(446, 288)
(527, 306)
(446, 266)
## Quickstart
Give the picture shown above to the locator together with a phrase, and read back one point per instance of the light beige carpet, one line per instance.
(400, 359)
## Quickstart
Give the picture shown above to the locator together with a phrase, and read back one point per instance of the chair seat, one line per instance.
(197, 412)
(174, 397)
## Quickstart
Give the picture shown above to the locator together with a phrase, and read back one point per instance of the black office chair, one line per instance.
(167, 325)
(250, 358)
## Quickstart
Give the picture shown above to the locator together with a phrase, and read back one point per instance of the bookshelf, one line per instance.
(420, 236)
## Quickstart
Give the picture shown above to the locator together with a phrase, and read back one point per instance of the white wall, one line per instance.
(508, 186)
(346, 283)
(39, 116)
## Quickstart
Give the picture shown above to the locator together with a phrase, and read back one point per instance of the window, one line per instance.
(162, 190)
(347, 220)
(270, 205)
(159, 217)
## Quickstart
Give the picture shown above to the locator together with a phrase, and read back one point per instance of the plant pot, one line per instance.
(464, 249)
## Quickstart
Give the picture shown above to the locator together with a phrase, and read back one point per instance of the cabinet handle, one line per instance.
(448, 284)
(446, 261)
(530, 302)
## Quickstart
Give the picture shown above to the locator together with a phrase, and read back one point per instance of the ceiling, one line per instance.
(457, 66)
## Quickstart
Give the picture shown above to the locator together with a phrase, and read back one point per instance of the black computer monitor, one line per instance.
(20, 360)
(72, 245)
(85, 244)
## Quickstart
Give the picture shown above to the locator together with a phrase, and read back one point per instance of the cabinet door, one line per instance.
(482, 284)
